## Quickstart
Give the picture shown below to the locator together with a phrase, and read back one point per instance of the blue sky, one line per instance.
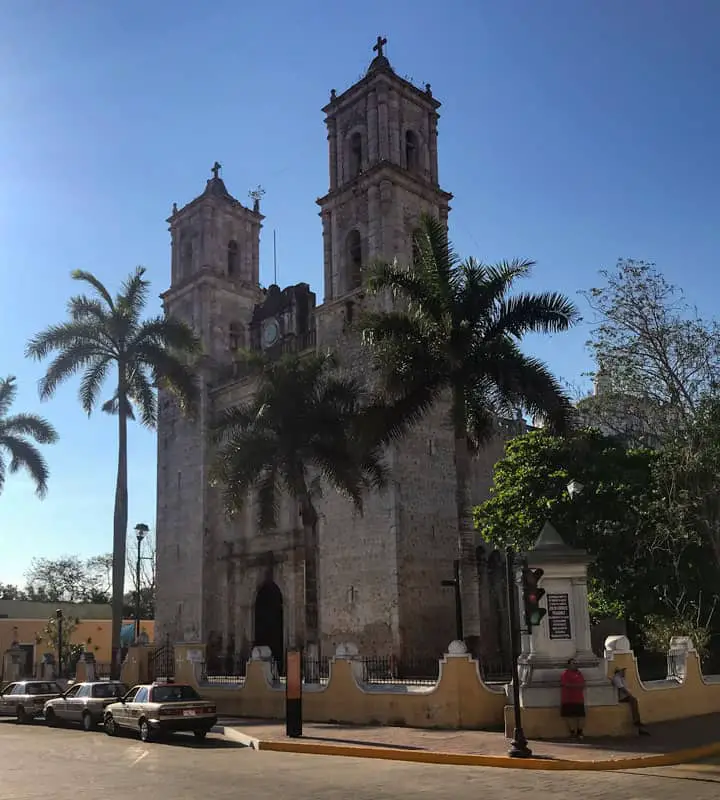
(572, 132)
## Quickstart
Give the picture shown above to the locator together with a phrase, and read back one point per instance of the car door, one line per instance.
(135, 708)
(122, 712)
(5, 700)
(74, 701)
(68, 703)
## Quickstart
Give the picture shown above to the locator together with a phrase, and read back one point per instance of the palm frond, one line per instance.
(26, 456)
(133, 295)
(169, 332)
(82, 308)
(550, 312)
(170, 372)
(523, 382)
(67, 363)
(30, 425)
(8, 393)
(66, 335)
(142, 394)
(96, 283)
(92, 381)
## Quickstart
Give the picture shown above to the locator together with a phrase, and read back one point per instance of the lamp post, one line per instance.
(141, 531)
(455, 584)
(518, 746)
(59, 618)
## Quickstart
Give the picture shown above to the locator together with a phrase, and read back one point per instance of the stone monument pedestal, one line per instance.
(563, 634)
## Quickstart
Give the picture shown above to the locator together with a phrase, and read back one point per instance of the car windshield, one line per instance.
(42, 688)
(109, 690)
(169, 694)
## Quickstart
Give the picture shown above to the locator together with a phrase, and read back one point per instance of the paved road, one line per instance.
(38, 762)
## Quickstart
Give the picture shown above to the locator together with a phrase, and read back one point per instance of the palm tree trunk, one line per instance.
(469, 582)
(312, 625)
(120, 522)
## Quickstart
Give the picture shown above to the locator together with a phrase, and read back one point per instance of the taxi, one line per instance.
(156, 708)
(25, 700)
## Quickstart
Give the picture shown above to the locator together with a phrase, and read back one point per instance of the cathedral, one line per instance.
(383, 575)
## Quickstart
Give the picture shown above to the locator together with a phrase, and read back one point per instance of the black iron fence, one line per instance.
(389, 669)
(229, 669)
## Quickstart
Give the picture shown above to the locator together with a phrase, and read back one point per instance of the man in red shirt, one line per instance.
(572, 698)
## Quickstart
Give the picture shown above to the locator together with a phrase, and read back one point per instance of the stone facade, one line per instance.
(380, 573)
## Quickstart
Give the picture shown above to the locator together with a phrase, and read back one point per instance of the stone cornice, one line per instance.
(377, 172)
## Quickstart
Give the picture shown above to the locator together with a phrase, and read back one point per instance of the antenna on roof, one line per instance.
(274, 258)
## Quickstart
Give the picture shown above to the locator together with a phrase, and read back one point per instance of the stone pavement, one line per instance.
(664, 737)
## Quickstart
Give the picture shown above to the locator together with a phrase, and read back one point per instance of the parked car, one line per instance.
(26, 700)
(84, 703)
(159, 708)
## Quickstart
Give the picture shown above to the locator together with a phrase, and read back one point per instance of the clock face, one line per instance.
(270, 332)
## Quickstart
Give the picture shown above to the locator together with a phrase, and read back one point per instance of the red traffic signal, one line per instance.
(532, 595)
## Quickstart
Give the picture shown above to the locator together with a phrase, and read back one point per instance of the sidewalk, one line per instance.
(666, 738)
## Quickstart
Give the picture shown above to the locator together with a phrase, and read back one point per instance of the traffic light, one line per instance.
(532, 595)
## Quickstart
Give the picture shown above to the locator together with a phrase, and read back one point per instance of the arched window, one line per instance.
(411, 151)
(354, 259)
(232, 257)
(356, 155)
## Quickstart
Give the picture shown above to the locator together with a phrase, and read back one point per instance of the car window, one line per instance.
(109, 690)
(73, 690)
(173, 693)
(142, 695)
(130, 696)
(85, 690)
(9, 688)
(42, 688)
(19, 688)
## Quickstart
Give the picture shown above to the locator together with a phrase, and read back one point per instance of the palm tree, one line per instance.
(15, 432)
(104, 334)
(296, 430)
(457, 334)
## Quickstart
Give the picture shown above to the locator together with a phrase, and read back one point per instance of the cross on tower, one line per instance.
(216, 167)
(378, 48)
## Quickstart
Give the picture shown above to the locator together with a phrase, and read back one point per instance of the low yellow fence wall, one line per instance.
(459, 699)
(686, 692)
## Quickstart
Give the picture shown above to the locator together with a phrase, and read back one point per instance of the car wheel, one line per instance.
(145, 731)
(87, 721)
(200, 734)
(51, 718)
(22, 716)
(110, 726)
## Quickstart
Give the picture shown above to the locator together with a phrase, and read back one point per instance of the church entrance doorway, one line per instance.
(269, 620)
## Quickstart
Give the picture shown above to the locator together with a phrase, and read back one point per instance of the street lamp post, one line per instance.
(519, 746)
(455, 584)
(141, 531)
(59, 618)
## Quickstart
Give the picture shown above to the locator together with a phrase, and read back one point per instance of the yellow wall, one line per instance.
(661, 701)
(458, 700)
(98, 631)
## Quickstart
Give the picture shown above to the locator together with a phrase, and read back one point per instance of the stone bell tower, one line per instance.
(382, 142)
(215, 244)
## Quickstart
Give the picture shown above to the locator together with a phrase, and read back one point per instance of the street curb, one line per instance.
(471, 760)
(237, 736)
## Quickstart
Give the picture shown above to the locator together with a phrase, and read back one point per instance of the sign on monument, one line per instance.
(558, 606)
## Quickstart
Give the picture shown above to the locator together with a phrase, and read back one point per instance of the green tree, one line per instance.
(16, 433)
(636, 571)
(105, 334)
(658, 360)
(458, 331)
(299, 428)
(688, 473)
(50, 637)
